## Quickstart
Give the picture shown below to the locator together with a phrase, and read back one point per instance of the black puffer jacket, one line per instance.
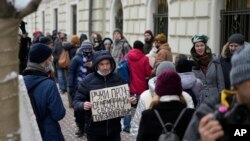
(92, 82)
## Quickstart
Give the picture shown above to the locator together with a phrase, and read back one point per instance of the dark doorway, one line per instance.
(119, 15)
(161, 17)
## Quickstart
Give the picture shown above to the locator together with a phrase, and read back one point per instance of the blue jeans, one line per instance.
(127, 118)
(62, 79)
(126, 122)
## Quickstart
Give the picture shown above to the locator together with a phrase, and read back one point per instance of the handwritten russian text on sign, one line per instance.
(110, 102)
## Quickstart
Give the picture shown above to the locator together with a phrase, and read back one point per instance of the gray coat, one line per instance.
(119, 49)
(209, 106)
(213, 80)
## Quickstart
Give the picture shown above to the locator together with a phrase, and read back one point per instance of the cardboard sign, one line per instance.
(110, 102)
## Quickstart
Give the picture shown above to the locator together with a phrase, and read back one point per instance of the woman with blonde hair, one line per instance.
(233, 44)
(169, 102)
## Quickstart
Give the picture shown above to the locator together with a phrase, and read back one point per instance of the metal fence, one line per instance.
(235, 21)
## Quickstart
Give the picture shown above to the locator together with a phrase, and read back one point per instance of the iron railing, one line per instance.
(235, 21)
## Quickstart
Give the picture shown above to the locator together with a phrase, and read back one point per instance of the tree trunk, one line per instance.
(9, 105)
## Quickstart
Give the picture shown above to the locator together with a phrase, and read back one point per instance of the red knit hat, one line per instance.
(168, 83)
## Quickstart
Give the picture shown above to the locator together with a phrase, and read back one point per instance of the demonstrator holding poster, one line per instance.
(102, 77)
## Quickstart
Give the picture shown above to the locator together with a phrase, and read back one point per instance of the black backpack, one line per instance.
(169, 135)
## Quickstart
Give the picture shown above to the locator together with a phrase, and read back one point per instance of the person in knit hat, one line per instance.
(43, 92)
(120, 46)
(233, 44)
(204, 125)
(207, 68)
(149, 40)
(48, 41)
(169, 102)
(146, 97)
(80, 67)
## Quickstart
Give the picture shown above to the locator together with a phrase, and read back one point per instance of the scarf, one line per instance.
(202, 61)
(35, 66)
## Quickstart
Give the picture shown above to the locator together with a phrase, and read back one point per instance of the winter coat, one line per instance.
(95, 81)
(190, 82)
(139, 70)
(150, 127)
(169, 53)
(148, 46)
(58, 49)
(213, 80)
(144, 103)
(48, 102)
(119, 49)
(209, 106)
(226, 65)
(78, 69)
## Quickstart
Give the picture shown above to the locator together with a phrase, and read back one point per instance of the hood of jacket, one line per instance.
(188, 80)
(32, 77)
(107, 39)
(151, 84)
(101, 55)
(135, 55)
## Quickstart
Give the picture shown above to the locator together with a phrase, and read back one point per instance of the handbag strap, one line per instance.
(176, 122)
(179, 118)
(159, 118)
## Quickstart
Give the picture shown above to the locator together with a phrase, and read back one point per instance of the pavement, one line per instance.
(69, 128)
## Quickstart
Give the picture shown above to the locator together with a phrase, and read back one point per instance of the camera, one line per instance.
(240, 114)
(231, 119)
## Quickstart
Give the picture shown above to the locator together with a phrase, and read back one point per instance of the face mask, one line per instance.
(48, 67)
(99, 72)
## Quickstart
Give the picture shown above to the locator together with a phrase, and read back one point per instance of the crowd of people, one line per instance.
(158, 82)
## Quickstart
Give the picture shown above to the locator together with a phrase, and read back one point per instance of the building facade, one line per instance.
(179, 19)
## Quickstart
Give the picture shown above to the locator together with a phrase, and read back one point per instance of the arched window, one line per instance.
(119, 15)
(235, 18)
(161, 17)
